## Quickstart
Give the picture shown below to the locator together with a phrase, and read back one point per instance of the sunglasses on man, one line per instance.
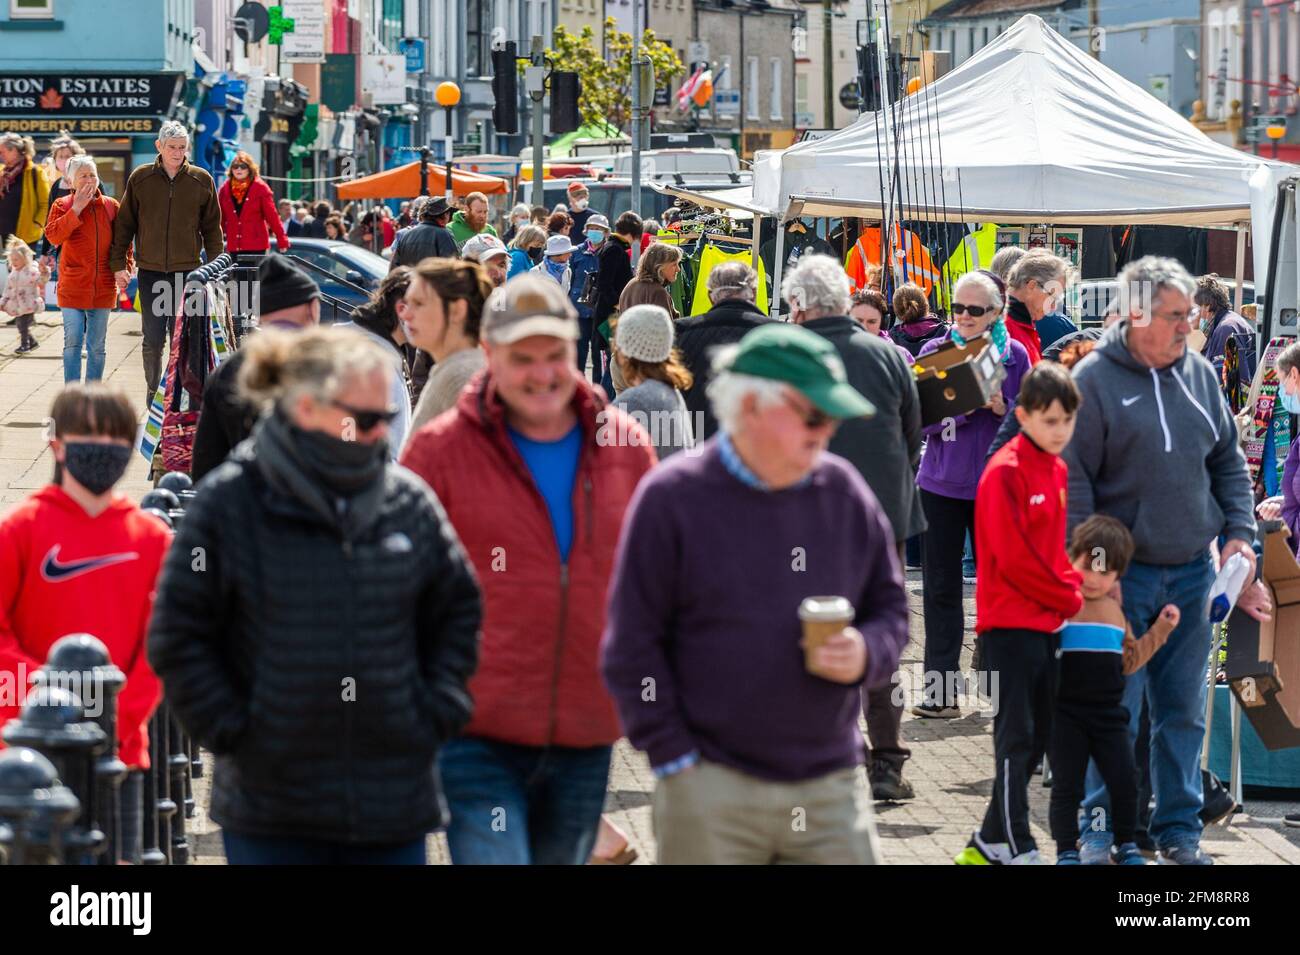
(813, 418)
(366, 419)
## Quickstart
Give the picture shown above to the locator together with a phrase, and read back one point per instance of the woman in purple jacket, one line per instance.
(1287, 504)
(950, 471)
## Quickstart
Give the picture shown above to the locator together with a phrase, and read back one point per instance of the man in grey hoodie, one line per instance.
(1156, 447)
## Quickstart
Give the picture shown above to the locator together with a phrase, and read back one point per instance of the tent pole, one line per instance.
(757, 232)
(778, 257)
(1241, 267)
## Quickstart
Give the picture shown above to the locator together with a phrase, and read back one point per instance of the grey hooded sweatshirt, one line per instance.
(1157, 449)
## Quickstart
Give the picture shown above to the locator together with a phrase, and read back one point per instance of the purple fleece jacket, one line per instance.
(1291, 494)
(704, 602)
(953, 467)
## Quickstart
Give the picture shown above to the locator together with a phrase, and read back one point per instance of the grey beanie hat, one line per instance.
(645, 332)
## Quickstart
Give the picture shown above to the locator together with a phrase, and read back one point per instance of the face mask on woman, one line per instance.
(536, 254)
(1290, 401)
(595, 236)
(520, 221)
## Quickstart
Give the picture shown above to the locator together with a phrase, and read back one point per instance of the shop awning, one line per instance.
(403, 182)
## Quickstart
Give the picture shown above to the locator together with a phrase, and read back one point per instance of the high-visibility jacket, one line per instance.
(975, 252)
(866, 253)
(710, 258)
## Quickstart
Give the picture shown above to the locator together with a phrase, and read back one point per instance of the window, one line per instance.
(1216, 61)
(751, 84)
(31, 9)
(478, 36)
(1292, 51)
(1274, 50)
(801, 93)
(776, 89)
(1257, 63)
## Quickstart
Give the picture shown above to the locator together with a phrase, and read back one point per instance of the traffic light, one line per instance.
(565, 90)
(505, 89)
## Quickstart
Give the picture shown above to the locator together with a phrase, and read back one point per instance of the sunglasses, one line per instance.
(813, 419)
(366, 420)
(975, 311)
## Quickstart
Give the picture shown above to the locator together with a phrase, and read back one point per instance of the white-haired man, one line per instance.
(1155, 446)
(756, 747)
(170, 212)
(885, 448)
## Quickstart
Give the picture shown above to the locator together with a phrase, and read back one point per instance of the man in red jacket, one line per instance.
(1027, 591)
(536, 491)
(77, 558)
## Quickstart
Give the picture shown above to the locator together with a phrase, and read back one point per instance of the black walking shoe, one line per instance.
(888, 784)
(1219, 807)
(1292, 819)
(937, 711)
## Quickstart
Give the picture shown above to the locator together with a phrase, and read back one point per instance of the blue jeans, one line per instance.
(522, 805)
(89, 327)
(274, 850)
(1174, 684)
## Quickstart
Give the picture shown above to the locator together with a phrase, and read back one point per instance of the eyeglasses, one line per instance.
(813, 418)
(975, 311)
(366, 419)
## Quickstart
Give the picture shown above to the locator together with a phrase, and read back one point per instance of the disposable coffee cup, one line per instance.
(822, 618)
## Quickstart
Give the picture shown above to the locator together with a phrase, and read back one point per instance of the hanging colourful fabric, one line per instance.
(1262, 413)
(151, 434)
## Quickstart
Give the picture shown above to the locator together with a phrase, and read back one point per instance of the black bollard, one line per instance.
(160, 515)
(180, 764)
(34, 807)
(176, 482)
(186, 498)
(161, 498)
(150, 853)
(53, 724)
(81, 662)
(164, 806)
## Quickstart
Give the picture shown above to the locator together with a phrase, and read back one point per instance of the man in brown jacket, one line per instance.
(170, 211)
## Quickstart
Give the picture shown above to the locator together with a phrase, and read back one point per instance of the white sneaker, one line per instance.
(1028, 858)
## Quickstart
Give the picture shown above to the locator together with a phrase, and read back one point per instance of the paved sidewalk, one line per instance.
(951, 766)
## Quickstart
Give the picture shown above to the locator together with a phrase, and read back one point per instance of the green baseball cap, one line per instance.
(806, 362)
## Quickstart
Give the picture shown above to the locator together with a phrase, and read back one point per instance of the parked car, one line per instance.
(612, 197)
(344, 272)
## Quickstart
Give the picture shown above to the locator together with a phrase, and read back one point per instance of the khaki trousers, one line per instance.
(714, 815)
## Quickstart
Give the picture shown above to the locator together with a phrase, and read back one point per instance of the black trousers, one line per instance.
(161, 297)
(884, 714)
(949, 518)
(1091, 721)
(1023, 663)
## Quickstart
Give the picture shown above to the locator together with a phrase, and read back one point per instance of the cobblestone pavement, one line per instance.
(951, 766)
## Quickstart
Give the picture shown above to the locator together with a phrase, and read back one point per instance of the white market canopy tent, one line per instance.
(1031, 130)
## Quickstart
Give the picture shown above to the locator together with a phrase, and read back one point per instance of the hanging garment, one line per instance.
(866, 253)
(710, 258)
(975, 252)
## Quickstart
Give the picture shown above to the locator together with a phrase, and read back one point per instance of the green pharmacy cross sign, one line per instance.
(280, 25)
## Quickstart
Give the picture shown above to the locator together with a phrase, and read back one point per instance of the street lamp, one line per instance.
(447, 95)
(1275, 132)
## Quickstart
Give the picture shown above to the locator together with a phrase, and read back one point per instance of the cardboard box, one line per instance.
(1263, 664)
(958, 379)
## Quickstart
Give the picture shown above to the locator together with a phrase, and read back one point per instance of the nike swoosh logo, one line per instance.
(56, 572)
(1128, 401)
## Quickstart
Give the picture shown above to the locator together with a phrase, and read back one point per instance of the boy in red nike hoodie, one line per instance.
(1027, 590)
(77, 558)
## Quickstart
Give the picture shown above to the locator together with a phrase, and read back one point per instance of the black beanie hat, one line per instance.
(281, 284)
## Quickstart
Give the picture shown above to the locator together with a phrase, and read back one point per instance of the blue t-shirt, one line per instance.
(554, 467)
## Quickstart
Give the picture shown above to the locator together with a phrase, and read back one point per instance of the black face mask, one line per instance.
(96, 467)
(345, 466)
(536, 254)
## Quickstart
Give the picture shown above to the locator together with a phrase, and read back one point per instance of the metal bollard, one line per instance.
(34, 806)
(161, 499)
(82, 661)
(176, 482)
(179, 763)
(53, 723)
(164, 806)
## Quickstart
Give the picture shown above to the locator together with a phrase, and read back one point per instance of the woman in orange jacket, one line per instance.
(81, 224)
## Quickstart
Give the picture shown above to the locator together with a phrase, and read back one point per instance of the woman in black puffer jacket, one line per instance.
(317, 621)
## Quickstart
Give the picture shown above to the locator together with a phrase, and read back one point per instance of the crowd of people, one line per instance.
(519, 507)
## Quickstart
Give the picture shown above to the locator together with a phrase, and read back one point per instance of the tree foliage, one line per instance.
(607, 81)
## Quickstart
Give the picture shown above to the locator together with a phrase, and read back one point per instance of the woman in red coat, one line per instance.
(80, 225)
(248, 213)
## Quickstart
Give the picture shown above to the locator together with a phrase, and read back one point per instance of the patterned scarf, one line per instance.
(239, 190)
(10, 176)
(1000, 339)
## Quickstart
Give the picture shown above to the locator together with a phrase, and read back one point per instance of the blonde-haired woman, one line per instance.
(526, 250)
(369, 591)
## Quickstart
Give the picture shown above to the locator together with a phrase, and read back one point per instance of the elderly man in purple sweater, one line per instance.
(756, 750)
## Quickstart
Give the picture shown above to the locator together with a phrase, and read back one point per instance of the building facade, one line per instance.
(57, 72)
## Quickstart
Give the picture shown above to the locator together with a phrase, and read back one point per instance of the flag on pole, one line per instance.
(703, 89)
(688, 88)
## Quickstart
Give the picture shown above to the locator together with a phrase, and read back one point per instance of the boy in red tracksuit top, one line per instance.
(1027, 590)
(77, 558)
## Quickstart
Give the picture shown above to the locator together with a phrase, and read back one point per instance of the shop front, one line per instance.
(114, 116)
(284, 103)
